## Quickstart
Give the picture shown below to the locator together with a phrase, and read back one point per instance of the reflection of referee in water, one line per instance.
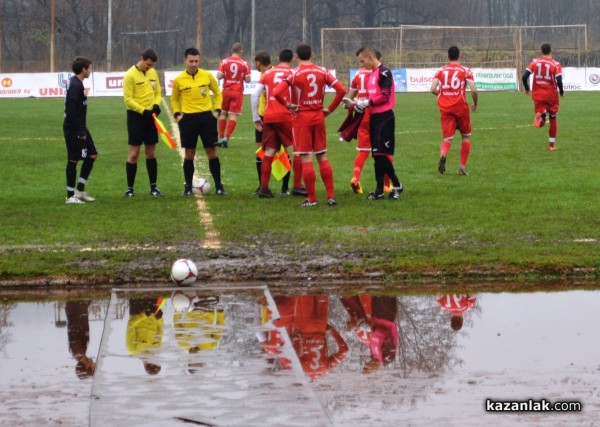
(144, 331)
(78, 332)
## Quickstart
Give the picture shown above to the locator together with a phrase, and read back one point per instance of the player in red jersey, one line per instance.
(308, 82)
(305, 319)
(450, 85)
(234, 71)
(456, 305)
(547, 84)
(276, 124)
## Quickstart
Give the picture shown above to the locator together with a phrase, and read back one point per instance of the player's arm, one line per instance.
(474, 94)
(338, 357)
(352, 93)
(254, 101)
(559, 83)
(176, 100)
(435, 87)
(220, 73)
(157, 91)
(525, 80)
(128, 88)
(217, 95)
(280, 93)
(340, 92)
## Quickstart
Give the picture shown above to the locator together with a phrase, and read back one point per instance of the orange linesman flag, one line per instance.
(164, 134)
(281, 163)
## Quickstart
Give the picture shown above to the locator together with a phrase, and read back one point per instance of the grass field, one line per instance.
(523, 212)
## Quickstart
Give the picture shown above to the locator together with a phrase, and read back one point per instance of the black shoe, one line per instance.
(442, 165)
(187, 191)
(128, 192)
(331, 202)
(155, 192)
(221, 191)
(375, 196)
(299, 191)
(395, 193)
(285, 192)
(267, 194)
(256, 192)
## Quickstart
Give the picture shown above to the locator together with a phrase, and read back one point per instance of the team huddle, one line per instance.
(289, 115)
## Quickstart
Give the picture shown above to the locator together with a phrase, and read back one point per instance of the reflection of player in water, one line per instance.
(144, 330)
(198, 323)
(305, 319)
(456, 305)
(78, 332)
(374, 321)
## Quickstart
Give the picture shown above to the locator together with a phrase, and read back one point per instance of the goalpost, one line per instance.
(420, 46)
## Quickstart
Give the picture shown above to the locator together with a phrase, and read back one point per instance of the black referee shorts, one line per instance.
(140, 129)
(194, 125)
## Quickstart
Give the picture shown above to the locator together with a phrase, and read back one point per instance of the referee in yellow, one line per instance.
(196, 102)
(142, 94)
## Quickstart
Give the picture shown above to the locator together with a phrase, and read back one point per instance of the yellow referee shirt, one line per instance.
(141, 90)
(192, 94)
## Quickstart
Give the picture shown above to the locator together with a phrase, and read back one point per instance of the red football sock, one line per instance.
(222, 124)
(230, 127)
(465, 148)
(553, 128)
(359, 163)
(297, 165)
(310, 179)
(444, 148)
(265, 172)
(327, 177)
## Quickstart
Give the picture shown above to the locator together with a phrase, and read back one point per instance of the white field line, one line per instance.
(212, 240)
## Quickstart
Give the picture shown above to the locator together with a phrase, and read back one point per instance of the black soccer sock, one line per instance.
(285, 182)
(71, 173)
(131, 169)
(84, 174)
(258, 168)
(188, 172)
(390, 171)
(214, 165)
(379, 173)
(152, 167)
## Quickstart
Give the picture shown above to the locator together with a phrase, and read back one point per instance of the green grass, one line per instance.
(523, 211)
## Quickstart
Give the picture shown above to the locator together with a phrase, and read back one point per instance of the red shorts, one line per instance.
(274, 135)
(452, 121)
(364, 136)
(549, 105)
(233, 101)
(310, 139)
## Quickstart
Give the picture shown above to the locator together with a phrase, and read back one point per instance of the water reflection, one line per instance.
(240, 356)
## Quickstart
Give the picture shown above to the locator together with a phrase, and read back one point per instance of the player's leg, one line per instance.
(135, 134)
(285, 138)
(86, 168)
(73, 156)
(150, 138)
(325, 169)
(540, 114)
(464, 126)
(364, 149)
(209, 137)
(448, 123)
(258, 138)
(553, 128)
(222, 123)
(188, 169)
(269, 146)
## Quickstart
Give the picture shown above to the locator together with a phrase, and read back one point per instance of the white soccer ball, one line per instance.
(181, 302)
(184, 272)
(201, 187)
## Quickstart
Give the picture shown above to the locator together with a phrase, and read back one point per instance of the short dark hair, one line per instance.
(366, 50)
(453, 53)
(377, 54)
(303, 51)
(79, 63)
(150, 54)
(191, 51)
(286, 55)
(456, 323)
(263, 57)
(546, 48)
(237, 48)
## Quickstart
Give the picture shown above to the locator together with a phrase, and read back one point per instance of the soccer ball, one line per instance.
(201, 187)
(184, 272)
(181, 302)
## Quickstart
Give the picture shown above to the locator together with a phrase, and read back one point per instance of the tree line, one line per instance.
(81, 26)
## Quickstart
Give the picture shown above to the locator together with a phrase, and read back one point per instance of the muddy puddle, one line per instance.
(244, 356)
